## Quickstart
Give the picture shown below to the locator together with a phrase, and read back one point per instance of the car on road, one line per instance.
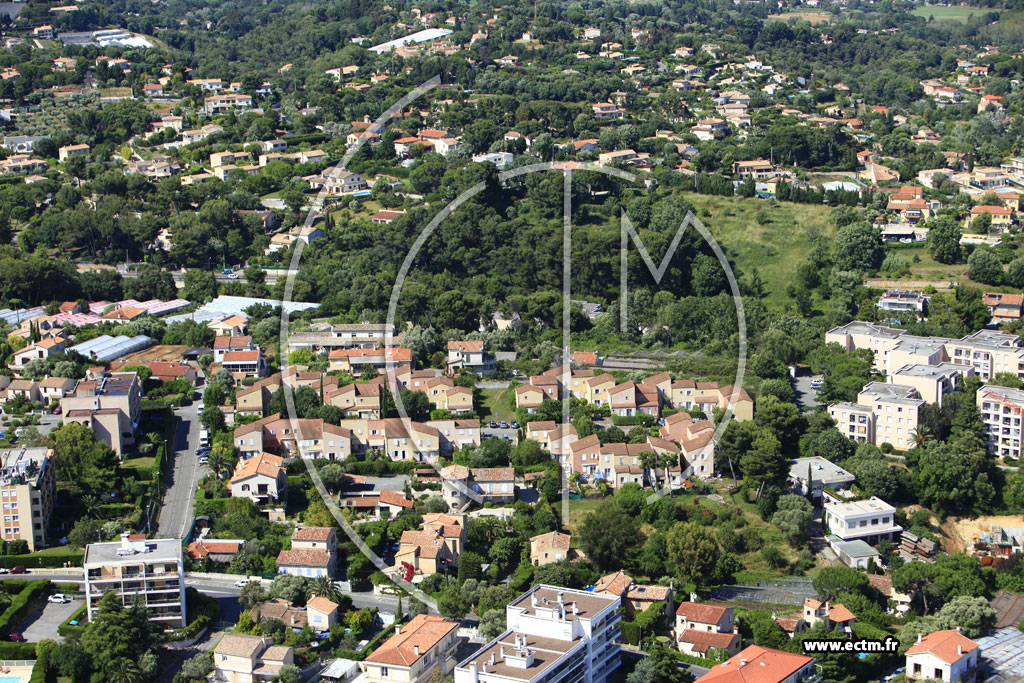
(242, 583)
(16, 638)
(20, 569)
(58, 598)
(4, 570)
(233, 276)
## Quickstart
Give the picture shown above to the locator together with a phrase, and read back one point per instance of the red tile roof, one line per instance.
(312, 533)
(703, 640)
(949, 646)
(304, 558)
(701, 612)
(422, 633)
(757, 665)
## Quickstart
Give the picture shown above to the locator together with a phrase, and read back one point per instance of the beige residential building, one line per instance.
(932, 382)
(552, 547)
(138, 568)
(110, 405)
(426, 644)
(27, 489)
(435, 547)
(883, 413)
(240, 658)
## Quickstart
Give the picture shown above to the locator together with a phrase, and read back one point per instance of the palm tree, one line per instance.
(124, 670)
(324, 587)
(219, 461)
(921, 436)
(91, 505)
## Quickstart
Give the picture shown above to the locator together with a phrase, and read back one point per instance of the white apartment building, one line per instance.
(554, 635)
(1001, 410)
(870, 520)
(883, 413)
(989, 352)
(138, 568)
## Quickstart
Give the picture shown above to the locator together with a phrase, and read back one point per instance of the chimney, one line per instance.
(533, 599)
(736, 629)
(398, 630)
(473, 676)
(693, 597)
(416, 650)
(743, 662)
(959, 649)
(920, 637)
(561, 597)
(575, 609)
(492, 659)
(958, 629)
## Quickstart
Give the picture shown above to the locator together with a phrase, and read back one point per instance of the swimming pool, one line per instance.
(10, 679)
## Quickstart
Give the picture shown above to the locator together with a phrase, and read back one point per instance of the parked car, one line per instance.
(515, 425)
(233, 276)
(493, 425)
(200, 409)
(202, 450)
(4, 570)
(20, 569)
(817, 383)
(504, 425)
(597, 416)
(16, 638)
(58, 598)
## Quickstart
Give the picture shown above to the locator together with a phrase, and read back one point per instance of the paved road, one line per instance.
(185, 472)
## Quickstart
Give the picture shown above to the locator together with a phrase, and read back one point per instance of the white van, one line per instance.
(204, 438)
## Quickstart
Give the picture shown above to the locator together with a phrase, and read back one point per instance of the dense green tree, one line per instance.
(609, 535)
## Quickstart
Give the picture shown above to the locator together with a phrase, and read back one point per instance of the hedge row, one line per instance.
(67, 629)
(56, 560)
(19, 607)
(10, 650)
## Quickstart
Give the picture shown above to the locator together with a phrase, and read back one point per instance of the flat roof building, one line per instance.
(28, 487)
(150, 570)
(554, 634)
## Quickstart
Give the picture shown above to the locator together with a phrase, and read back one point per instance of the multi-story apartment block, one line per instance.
(150, 570)
(28, 487)
(110, 405)
(883, 413)
(870, 520)
(989, 352)
(554, 635)
(932, 382)
(418, 649)
(1001, 409)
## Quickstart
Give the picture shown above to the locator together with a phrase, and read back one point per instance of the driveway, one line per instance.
(806, 397)
(43, 621)
(185, 472)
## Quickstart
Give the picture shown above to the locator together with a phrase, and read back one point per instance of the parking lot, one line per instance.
(43, 621)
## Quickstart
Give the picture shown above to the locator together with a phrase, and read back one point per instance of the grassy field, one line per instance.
(812, 17)
(138, 462)
(496, 405)
(773, 249)
(578, 509)
(955, 12)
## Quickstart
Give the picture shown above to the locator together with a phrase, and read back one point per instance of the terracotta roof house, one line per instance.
(426, 643)
(947, 655)
(758, 664)
(552, 547)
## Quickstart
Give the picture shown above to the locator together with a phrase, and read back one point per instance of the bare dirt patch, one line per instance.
(961, 532)
(812, 17)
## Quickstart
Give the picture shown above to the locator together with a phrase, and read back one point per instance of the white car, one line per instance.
(242, 583)
(59, 598)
